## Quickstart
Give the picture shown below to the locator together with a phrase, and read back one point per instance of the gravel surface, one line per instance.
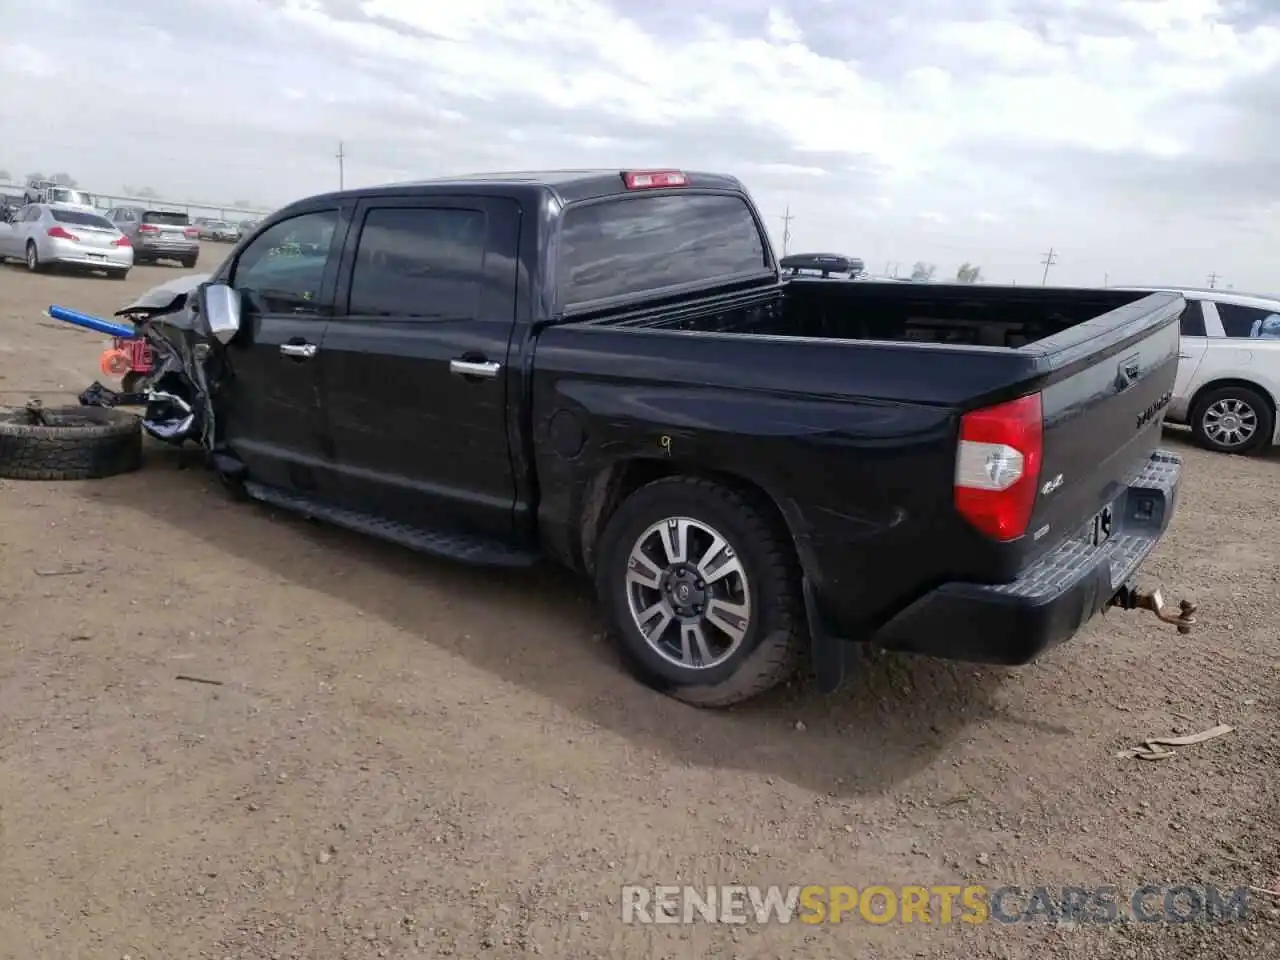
(404, 758)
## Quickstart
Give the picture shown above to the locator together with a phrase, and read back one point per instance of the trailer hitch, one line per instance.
(1131, 598)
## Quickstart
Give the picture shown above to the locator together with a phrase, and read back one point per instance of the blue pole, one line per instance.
(90, 322)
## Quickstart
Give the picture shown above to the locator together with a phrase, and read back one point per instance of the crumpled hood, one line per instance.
(162, 298)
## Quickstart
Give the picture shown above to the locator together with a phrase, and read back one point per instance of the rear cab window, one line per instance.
(166, 218)
(631, 246)
(80, 218)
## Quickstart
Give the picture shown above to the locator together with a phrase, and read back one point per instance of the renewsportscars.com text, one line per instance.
(938, 904)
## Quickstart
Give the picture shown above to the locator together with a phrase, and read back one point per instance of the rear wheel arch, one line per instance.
(1257, 388)
(613, 484)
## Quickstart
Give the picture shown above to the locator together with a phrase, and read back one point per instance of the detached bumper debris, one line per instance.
(1154, 748)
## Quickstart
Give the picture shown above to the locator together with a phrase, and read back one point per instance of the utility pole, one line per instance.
(1048, 261)
(786, 229)
(1105, 278)
(341, 156)
(1213, 280)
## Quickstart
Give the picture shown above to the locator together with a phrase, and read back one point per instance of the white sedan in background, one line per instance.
(1228, 383)
(44, 235)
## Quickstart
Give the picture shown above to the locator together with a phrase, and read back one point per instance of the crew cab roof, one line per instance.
(568, 186)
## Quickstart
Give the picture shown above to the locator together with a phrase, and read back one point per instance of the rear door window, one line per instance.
(1249, 322)
(648, 244)
(419, 262)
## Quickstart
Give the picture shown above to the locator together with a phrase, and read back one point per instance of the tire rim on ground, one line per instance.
(33, 259)
(688, 593)
(1230, 422)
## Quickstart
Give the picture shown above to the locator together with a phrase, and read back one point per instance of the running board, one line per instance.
(463, 548)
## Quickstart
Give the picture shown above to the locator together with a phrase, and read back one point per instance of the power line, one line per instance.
(786, 229)
(1048, 261)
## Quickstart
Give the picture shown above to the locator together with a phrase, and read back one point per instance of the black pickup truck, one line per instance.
(604, 368)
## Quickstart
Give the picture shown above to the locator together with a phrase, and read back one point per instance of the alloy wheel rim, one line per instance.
(688, 593)
(1230, 422)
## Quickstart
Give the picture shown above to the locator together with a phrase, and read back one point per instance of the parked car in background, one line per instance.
(45, 235)
(1228, 384)
(158, 234)
(221, 231)
(45, 191)
(821, 265)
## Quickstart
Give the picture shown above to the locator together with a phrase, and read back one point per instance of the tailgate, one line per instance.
(1103, 407)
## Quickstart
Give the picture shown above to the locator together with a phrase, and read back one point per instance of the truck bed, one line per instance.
(962, 314)
(850, 395)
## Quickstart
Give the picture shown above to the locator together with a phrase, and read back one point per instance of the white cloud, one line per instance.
(1012, 124)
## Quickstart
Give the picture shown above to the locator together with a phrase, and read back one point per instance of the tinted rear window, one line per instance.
(647, 244)
(166, 218)
(81, 219)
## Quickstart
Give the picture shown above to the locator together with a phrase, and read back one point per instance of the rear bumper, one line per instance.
(172, 251)
(1014, 623)
(65, 253)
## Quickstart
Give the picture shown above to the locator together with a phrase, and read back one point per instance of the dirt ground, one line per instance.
(407, 758)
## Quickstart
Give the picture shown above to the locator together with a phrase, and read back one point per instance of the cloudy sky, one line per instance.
(1135, 137)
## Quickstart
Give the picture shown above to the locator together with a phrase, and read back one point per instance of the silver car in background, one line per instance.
(44, 235)
(158, 234)
(223, 231)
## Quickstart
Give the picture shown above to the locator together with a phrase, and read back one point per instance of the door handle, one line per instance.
(475, 368)
(1184, 356)
(299, 351)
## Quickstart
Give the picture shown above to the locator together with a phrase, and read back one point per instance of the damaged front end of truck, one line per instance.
(185, 322)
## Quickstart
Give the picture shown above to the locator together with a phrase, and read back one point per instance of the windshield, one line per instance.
(66, 195)
(81, 218)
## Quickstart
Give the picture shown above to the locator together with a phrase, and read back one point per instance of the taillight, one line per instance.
(652, 179)
(998, 466)
(191, 233)
(60, 234)
(148, 228)
(122, 241)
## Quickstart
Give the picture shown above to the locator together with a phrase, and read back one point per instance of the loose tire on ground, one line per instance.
(1251, 410)
(775, 637)
(72, 443)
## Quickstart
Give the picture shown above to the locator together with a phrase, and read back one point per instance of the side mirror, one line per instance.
(219, 306)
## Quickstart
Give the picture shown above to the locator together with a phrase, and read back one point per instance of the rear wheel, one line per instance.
(189, 262)
(701, 589)
(1233, 419)
(33, 257)
(118, 274)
